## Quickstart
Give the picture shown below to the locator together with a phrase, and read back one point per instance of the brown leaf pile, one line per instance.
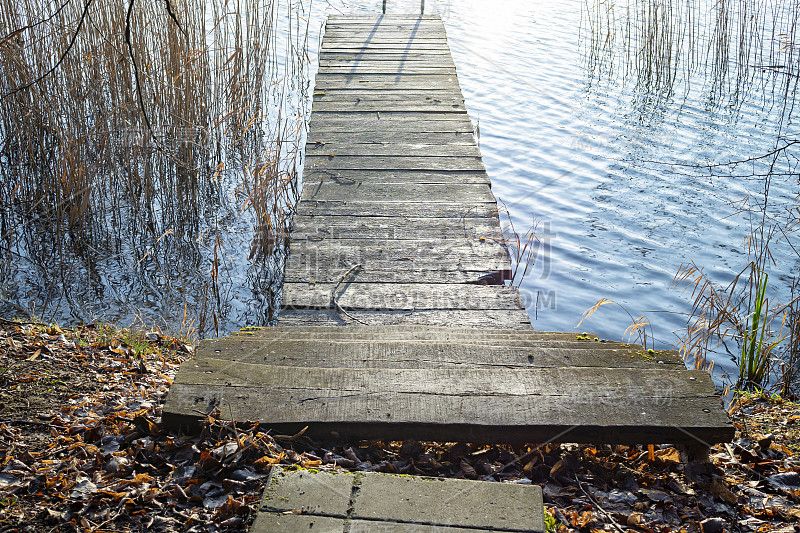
(81, 449)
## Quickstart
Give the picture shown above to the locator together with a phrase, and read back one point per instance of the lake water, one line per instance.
(581, 128)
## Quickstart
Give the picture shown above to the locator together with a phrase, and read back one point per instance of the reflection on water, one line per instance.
(600, 119)
(163, 197)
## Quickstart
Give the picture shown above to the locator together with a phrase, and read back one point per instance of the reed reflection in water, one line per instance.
(149, 162)
(742, 56)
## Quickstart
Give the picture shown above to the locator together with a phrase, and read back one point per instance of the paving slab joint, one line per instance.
(351, 505)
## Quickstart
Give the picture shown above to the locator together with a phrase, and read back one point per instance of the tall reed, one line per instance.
(103, 168)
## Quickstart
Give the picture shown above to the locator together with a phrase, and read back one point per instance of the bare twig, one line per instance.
(334, 299)
(597, 505)
(60, 59)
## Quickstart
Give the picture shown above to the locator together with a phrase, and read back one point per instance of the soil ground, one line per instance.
(81, 449)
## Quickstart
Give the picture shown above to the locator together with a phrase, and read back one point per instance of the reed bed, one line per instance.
(657, 43)
(136, 141)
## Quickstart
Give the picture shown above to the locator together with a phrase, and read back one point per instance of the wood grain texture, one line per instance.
(384, 136)
(477, 319)
(448, 404)
(398, 209)
(377, 191)
(410, 162)
(395, 176)
(393, 53)
(416, 332)
(318, 228)
(429, 56)
(423, 105)
(384, 81)
(398, 261)
(416, 61)
(332, 95)
(331, 149)
(400, 296)
(358, 352)
(344, 122)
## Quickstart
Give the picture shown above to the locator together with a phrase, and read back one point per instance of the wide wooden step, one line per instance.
(449, 384)
(424, 354)
(457, 404)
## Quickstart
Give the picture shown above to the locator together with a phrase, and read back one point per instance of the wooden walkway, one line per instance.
(397, 220)
(397, 235)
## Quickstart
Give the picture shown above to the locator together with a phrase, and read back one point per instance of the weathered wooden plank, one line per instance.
(401, 39)
(400, 296)
(397, 25)
(404, 81)
(375, 33)
(333, 352)
(482, 319)
(320, 228)
(432, 106)
(384, 18)
(346, 58)
(449, 253)
(416, 332)
(448, 404)
(348, 95)
(330, 149)
(394, 176)
(443, 192)
(350, 118)
(404, 70)
(434, 163)
(486, 272)
(361, 123)
(402, 250)
(418, 61)
(398, 209)
(388, 94)
(446, 81)
(379, 53)
(416, 27)
(398, 261)
(403, 137)
(335, 46)
(386, 81)
(379, 25)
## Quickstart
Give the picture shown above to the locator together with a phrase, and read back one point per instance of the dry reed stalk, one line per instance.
(79, 157)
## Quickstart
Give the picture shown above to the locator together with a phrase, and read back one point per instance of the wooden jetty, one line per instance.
(396, 321)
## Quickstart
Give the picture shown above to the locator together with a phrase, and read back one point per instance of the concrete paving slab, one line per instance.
(363, 502)
(291, 523)
(317, 493)
(450, 502)
(372, 526)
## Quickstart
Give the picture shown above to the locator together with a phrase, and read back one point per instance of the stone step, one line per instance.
(302, 501)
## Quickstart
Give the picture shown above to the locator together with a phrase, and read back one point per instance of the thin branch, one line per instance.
(136, 70)
(60, 59)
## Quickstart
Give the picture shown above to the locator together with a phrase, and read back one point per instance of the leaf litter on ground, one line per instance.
(82, 449)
